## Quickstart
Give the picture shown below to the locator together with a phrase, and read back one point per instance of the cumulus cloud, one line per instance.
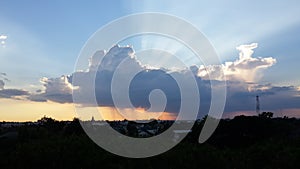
(141, 85)
(56, 89)
(241, 86)
(95, 60)
(246, 68)
(57, 85)
(114, 57)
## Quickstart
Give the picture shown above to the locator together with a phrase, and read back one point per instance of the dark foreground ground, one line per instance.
(240, 143)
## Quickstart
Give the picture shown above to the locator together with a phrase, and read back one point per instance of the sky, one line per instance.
(257, 43)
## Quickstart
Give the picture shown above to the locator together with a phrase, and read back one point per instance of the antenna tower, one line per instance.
(257, 105)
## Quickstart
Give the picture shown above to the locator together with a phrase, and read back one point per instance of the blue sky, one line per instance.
(44, 38)
(52, 33)
(49, 34)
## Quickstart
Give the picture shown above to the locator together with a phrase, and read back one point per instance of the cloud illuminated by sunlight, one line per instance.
(246, 68)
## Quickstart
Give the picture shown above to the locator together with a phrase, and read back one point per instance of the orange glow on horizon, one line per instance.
(24, 110)
(112, 113)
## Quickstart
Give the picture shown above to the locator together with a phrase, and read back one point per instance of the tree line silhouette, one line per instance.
(244, 142)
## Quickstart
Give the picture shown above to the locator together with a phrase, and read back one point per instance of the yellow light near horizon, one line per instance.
(24, 110)
(111, 113)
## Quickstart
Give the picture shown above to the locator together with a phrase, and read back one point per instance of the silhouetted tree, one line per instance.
(266, 115)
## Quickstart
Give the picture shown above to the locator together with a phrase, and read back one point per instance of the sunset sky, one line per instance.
(257, 43)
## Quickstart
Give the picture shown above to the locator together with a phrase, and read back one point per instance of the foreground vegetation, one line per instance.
(242, 143)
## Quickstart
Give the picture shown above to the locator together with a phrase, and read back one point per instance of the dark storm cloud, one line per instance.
(240, 94)
(141, 85)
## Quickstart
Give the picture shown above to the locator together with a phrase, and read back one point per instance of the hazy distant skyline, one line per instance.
(40, 42)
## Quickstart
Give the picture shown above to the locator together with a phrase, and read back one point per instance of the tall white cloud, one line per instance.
(246, 68)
